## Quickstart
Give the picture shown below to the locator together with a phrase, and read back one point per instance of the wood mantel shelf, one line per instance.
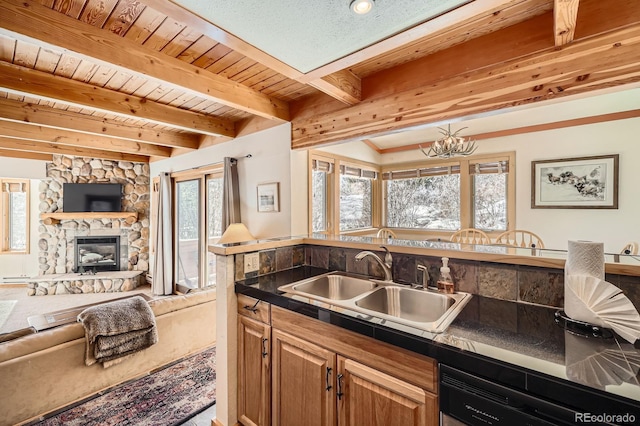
(55, 218)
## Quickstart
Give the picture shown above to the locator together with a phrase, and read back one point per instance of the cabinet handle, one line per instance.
(328, 375)
(264, 347)
(253, 308)
(339, 394)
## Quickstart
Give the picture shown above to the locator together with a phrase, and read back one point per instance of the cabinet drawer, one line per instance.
(254, 308)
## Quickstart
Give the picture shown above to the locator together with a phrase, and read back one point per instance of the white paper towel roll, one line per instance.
(585, 258)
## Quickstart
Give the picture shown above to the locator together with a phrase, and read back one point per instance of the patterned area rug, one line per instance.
(165, 398)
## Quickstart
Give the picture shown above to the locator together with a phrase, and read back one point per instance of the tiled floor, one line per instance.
(202, 419)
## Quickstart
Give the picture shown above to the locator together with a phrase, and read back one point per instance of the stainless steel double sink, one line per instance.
(423, 309)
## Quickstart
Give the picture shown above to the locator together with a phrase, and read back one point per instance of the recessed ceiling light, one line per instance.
(361, 6)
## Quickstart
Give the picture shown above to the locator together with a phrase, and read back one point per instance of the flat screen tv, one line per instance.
(92, 197)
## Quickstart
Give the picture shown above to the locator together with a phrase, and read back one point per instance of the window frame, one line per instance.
(466, 190)
(329, 196)
(202, 174)
(174, 202)
(5, 213)
(333, 193)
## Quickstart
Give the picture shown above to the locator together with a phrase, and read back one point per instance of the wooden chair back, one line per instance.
(520, 238)
(630, 248)
(386, 233)
(470, 236)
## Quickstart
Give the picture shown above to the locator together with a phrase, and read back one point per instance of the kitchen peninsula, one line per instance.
(506, 334)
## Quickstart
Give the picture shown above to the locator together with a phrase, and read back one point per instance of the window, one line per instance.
(344, 194)
(321, 173)
(490, 195)
(356, 198)
(432, 196)
(15, 215)
(427, 198)
(450, 195)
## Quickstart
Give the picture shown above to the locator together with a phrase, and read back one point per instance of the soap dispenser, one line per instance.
(445, 283)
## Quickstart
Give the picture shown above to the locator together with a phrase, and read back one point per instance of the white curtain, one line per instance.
(230, 194)
(163, 239)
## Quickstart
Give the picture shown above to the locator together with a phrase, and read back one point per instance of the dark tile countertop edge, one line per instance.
(548, 387)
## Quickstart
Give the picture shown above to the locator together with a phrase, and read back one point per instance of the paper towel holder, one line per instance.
(581, 328)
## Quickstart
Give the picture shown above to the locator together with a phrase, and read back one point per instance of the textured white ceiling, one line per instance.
(307, 34)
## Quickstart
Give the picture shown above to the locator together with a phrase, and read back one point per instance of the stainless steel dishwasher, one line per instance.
(466, 399)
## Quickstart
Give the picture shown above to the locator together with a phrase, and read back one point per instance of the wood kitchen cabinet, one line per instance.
(339, 379)
(367, 396)
(303, 382)
(254, 362)
(375, 383)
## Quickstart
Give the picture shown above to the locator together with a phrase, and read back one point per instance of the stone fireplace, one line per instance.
(97, 253)
(58, 241)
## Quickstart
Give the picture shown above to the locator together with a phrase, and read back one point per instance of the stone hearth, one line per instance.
(101, 282)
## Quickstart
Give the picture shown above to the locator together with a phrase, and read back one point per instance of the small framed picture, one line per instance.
(269, 197)
(575, 183)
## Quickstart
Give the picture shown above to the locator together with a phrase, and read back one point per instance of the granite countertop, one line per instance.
(517, 344)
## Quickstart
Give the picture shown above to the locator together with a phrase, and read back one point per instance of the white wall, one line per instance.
(299, 189)
(358, 150)
(17, 265)
(556, 226)
(23, 169)
(270, 162)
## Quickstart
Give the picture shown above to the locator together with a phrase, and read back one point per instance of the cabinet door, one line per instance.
(370, 397)
(303, 383)
(254, 384)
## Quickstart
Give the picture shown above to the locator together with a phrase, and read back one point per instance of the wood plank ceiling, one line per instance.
(131, 80)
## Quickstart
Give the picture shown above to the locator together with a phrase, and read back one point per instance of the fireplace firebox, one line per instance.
(97, 253)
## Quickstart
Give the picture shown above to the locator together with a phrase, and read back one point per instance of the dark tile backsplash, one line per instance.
(542, 286)
(465, 276)
(318, 256)
(284, 258)
(498, 281)
(297, 256)
(353, 266)
(404, 269)
(630, 286)
(337, 259)
(267, 262)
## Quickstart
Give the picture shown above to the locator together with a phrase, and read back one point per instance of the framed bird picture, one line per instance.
(575, 183)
